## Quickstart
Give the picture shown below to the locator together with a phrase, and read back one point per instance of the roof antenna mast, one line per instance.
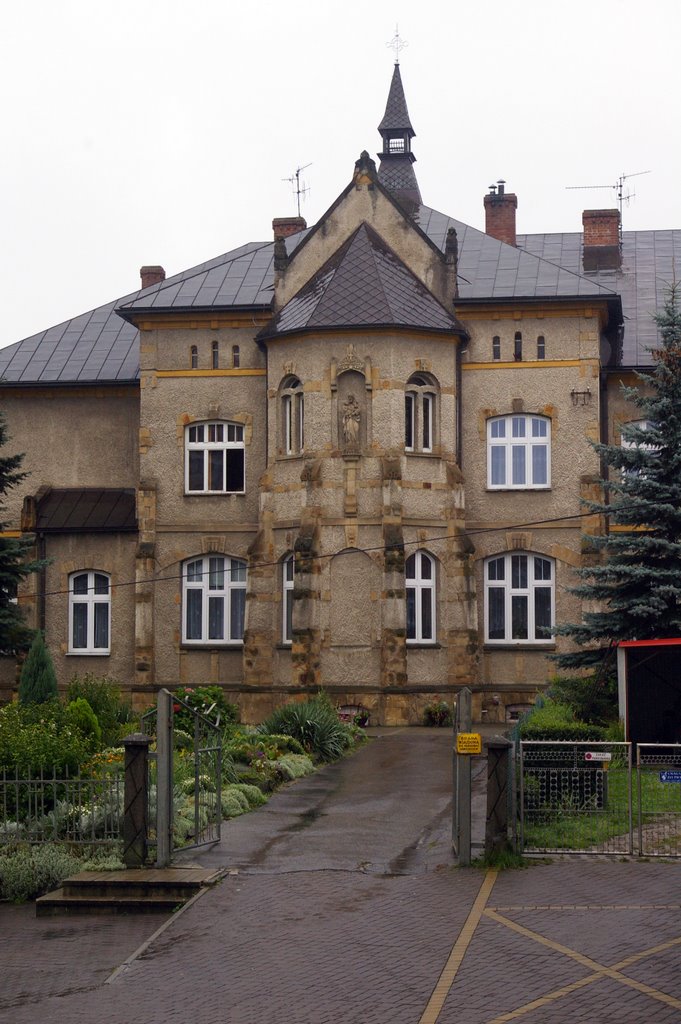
(298, 185)
(397, 43)
(618, 187)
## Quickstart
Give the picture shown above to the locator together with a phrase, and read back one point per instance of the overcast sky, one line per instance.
(161, 131)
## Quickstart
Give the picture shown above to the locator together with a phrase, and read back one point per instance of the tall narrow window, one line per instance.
(194, 357)
(519, 451)
(419, 580)
(519, 598)
(89, 613)
(292, 411)
(235, 357)
(215, 355)
(287, 571)
(496, 347)
(541, 347)
(518, 347)
(420, 413)
(214, 458)
(214, 600)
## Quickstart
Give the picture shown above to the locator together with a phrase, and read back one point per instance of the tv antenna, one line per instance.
(297, 184)
(622, 196)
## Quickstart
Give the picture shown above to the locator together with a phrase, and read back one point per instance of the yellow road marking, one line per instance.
(600, 970)
(449, 971)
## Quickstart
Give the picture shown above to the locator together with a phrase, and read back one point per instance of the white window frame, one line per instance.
(423, 586)
(292, 416)
(287, 582)
(216, 579)
(89, 600)
(420, 414)
(512, 442)
(226, 437)
(503, 576)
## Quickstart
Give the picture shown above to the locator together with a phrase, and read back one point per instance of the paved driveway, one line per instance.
(342, 906)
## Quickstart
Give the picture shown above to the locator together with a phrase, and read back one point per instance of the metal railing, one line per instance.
(658, 783)
(55, 805)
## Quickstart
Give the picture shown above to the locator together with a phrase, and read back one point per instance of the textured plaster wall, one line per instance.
(72, 437)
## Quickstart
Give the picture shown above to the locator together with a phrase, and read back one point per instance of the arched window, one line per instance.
(541, 347)
(214, 458)
(287, 573)
(496, 347)
(519, 451)
(518, 347)
(420, 587)
(215, 355)
(89, 613)
(236, 358)
(420, 413)
(519, 598)
(194, 357)
(292, 416)
(213, 600)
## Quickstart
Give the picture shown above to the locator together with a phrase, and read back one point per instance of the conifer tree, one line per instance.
(14, 564)
(38, 680)
(636, 583)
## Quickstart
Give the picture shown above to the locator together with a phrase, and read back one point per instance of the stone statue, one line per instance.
(351, 418)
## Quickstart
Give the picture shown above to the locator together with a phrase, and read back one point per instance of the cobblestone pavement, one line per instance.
(568, 941)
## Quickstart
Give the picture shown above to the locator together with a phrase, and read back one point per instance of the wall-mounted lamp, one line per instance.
(581, 397)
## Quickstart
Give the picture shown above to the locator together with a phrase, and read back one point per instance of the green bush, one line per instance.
(232, 802)
(254, 795)
(294, 766)
(553, 721)
(26, 872)
(103, 694)
(593, 698)
(38, 680)
(437, 714)
(41, 736)
(314, 724)
(82, 717)
(209, 701)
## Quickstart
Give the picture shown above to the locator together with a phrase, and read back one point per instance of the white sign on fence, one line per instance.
(597, 755)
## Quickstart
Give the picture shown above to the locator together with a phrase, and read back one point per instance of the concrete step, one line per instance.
(154, 890)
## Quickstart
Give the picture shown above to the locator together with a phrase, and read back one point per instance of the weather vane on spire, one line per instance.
(397, 44)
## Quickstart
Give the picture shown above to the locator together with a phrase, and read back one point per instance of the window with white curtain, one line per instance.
(89, 612)
(420, 587)
(519, 598)
(519, 451)
(213, 600)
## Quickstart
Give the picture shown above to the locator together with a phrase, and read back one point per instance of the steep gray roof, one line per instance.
(396, 117)
(364, 284)
(648, 260)
(101, 347)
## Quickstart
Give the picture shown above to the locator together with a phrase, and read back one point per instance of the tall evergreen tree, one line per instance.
(15, 564)
(636, 583)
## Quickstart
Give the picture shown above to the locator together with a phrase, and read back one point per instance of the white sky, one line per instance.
(159, 131)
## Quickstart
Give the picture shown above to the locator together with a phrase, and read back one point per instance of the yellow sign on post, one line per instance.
(468, 743)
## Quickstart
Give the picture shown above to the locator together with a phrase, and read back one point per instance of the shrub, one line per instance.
(26, 872)
(554, 721)
(232, 802)
(40, 736)
(294, 766)
(437, 714)
(209, 701)
(38, 681)
(103, 694)
(254, 795)
(593, 698)
(314, 724)
(82, 717)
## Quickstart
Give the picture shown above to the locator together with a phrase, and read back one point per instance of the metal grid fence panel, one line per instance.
(575, 797)
(658, 784)
(49, 806)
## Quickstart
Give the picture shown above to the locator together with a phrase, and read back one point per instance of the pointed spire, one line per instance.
(396, 171)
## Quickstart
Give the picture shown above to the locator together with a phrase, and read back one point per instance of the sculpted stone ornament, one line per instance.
(351, 420)
(350, 361)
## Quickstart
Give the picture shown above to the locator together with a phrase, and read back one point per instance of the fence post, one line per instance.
(461, 818)
(164, 778)
(498, 778)
(135, 802)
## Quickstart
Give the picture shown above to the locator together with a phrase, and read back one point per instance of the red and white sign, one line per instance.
(597, 755)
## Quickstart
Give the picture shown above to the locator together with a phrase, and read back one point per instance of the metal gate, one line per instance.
(575, 797)
(185, 778)
(658, 784)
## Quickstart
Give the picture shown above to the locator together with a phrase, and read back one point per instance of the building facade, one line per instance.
(350, 458)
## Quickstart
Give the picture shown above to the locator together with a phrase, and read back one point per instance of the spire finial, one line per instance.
(397, 43)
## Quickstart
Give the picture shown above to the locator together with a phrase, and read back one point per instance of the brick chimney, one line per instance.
(601, 240)
(500, 207)
(152, 275)
(285, 226)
